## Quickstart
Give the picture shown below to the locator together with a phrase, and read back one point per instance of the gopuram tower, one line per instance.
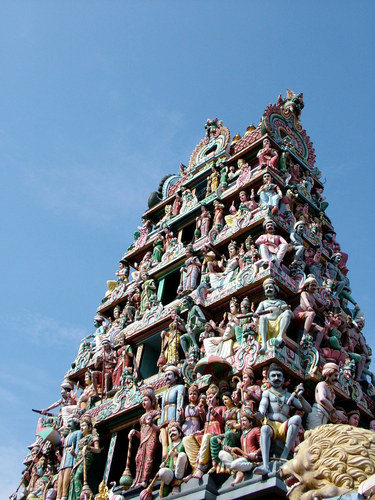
(228, 336)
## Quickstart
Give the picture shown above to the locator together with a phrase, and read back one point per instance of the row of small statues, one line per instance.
(331, 330)
(202, 435)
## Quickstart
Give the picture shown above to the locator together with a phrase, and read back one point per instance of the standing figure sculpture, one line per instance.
(148, 439)
(88, 446)
(172, 401)
(274, 315)
(190, 271)
(276, 405)
(297, 240)
(68, 458)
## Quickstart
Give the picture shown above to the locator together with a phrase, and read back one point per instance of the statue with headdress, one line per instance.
(274, 315)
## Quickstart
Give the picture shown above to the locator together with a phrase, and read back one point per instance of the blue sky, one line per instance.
(99, 100)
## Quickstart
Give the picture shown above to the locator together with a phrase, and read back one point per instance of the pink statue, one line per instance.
(268, 157)
(272, 246)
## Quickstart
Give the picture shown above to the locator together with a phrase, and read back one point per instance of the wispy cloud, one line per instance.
(44, 329)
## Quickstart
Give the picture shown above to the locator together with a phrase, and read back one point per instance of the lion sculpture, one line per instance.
(331, 461)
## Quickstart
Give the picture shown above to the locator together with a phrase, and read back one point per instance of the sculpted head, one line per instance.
(332, 460)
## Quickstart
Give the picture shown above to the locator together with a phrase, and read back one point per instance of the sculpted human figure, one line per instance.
(213, 180)
(124, 360)
(195, 323)
(67, 402)
(148, 294)
(103, 368)
(68, 458)
(218, 221)
(274, 315)
(272, 246)
(173, 399)
(357, 347)
(231, 436)
(242, 459)
(203, 222)
(335, 274)
(159, 248)
(297, 240)
(269, 194)
(267, 156)
(116, 324)
(192, 415)
(276, 406)
(148, 439)
(221, 279)
(190, 271)
(323, 410)
(197, 446)
(88, 446)
(171, 340)
(245, 206)
(308, 307)
(251, 393)
(100, 332)
(172, 470)
(88, 392)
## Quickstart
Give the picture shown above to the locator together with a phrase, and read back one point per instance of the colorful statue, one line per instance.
(172, 470)
(274, 315)
(67, 402)
(68, 459)
(308, 307)
(323, 410)
(124, 354)
(269, 194)
(276, 405)
(203, 222)
(197, 446)
(88, 446)
(195, 323)
(172, 401)
(148, 439)
(190, 271)
(103, 369)
(171, 340)
(242, 459)
(297, 240)
(251, 393)
(231, 436)
(218, 221)
(192, 415)
(272, 246)
(221, 280)
(267, 156)
(213, 180)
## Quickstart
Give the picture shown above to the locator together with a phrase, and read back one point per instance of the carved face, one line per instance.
(312, 287)
(266, 143)
(270, 227)
(246, 379)
(146, 403)
(85, 429)
(269, 290)
(300, 229)
(174, 433)
(243, 197)
(193, 397)
(170, 377)
(354, 420)
(266, 178)
(245, 423)
(227, 401)
(276, 378)
(233, 308)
